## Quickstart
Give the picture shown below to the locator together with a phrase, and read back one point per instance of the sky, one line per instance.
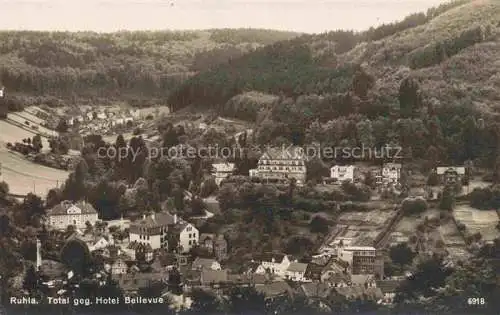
(309, 16)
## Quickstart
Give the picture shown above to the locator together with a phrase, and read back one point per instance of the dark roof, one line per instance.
(63, 207)
(388, 286)
(316, 289)
(205, 236)
(209, 276)
(284, 153)
(354, 292)
(132, 282)
(160, 219)
(313, 271)
(274, 289)
(297, 267)
(140, 246)
(270, 256)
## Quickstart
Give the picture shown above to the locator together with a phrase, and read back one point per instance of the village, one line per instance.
(349, 261)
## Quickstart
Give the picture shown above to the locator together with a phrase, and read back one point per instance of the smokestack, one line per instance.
(38, 254)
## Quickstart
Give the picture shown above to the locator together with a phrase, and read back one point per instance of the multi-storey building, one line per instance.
(342, 173)
(281, 165)
(391, 173)
(164, 230)
(222, 171)
(450, 175)
(68, 213)
(361, 259)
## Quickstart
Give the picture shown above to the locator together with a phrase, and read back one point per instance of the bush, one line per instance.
(319, 225)
(412, 206)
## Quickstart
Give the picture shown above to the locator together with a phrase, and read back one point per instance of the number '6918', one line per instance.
(476, 301)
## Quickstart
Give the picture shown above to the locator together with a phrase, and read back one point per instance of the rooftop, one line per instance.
(297, 267)
(67, 207)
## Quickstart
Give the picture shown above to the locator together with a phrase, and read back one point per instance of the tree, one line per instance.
(54, 197)
(401, 254)
(410, 99)
(4, 190)
(411, 206)
(447, 200)
(197, 207)
(62, 126)
(362, 82)
(319, 224)
(30, 282)
(204, 303)
(37, 143)
(76, 255)
(246, 300)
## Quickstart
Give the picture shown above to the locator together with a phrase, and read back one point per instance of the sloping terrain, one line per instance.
(453, 51)
(140, 67)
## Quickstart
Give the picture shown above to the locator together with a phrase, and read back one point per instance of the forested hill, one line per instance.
(138, 67)
(452, 52)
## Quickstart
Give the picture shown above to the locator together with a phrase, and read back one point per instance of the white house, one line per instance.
(101, 243)
(2, 91)
(102, 115)
(152, 230)
(276, 264)
(281, 165)
(391, 173)
(450, 175)
(296, 271)
(205, 263)
(342, 173)
(67, 213)
(222, 171)
(119, 266)
(186, 235)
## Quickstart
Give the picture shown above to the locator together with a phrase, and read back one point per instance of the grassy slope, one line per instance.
(471, 76)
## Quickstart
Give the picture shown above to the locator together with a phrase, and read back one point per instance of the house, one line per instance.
(205, 263)
(152, 230)
(391, 173)
(102, 115)
(313, 272)
(184, 235)
(359, 292)
(296, 272)
(222, 171)
(281, 165)
(450, 175)
(334, 268)
(367, 281)
(140, 251)
(119, 266)
(2, 92)
(101, 243)
(362, 259)
(388, 288)
(207, 241)
(213, 277)
(342, 173)
(274, 289)
(68, 213)
(276, 264)
(316, 290)
(338, 280)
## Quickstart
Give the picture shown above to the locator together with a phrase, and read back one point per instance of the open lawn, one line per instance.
(482, 221)
(24, 176)
(21, 118)
(11, 133)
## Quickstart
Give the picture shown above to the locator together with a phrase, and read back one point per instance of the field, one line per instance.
(11, 133)
(21, 175)
(482, 221)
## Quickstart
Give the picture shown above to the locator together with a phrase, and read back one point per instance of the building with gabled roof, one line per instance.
(296, 272)
(222, 171)
(282, 165)
(68, 213)
(205, 263)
